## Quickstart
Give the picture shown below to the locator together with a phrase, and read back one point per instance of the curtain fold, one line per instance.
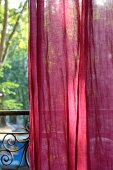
(70, 84)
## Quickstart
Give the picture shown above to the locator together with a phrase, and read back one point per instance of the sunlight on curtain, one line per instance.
(100, 2)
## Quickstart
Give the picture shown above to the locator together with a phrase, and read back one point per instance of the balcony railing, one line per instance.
(14, 141)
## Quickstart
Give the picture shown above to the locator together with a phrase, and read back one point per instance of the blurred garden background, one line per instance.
(13, 56)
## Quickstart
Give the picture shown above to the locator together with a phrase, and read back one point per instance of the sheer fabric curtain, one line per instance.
(100, 87)
(70, 84)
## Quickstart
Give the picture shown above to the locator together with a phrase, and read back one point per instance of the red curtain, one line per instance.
(70, 84)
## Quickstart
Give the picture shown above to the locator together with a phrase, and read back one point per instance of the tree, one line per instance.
(8, 28)
(13, 55)
(13, 43)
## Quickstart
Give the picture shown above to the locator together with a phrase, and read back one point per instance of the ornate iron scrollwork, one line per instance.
(13, 144)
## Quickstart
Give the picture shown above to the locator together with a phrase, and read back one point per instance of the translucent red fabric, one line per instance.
(99, 88)
(70, 84)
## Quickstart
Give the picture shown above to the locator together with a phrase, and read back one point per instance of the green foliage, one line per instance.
(7, 88)
(18, 74)
(12, 105)
(8, 101)
(13, 74)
